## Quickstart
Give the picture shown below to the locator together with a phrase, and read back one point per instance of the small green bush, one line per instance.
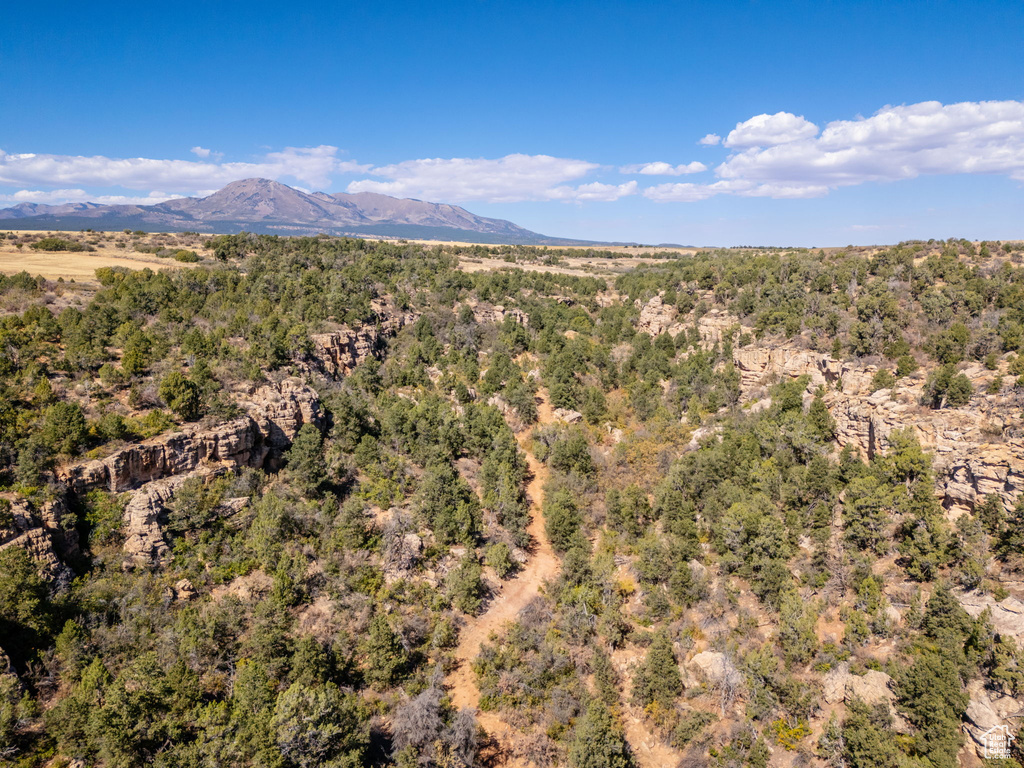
(58, 244)
(499, 557)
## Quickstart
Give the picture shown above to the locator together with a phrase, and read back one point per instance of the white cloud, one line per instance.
(689, 192)
(769, 130)
(58, 196)
(512, 178)
(711, 140)
(593, 192)
(783, 156)
(311, 165)
(664, 169)
(895, 143)
(679, 193)
(200, 152)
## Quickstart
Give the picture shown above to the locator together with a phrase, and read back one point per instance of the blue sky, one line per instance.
(837, 122)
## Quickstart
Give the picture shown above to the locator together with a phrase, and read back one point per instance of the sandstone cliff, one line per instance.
(276, 412)
(159, 466)
(336, 353)
(978, 450)
(46, 533)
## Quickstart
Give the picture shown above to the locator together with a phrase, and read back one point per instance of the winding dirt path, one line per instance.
(648, 750)
(515, 594)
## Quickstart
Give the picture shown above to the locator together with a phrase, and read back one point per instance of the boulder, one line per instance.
(842, 686)
(1006, 616)
(715, 668)
(656, 317)
(182, 591)
(567, 415)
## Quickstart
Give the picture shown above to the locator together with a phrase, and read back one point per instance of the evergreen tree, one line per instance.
(562, 519)
(1011, 538)
(599, 740)
(319, 727)
(658, 679)
(932, 696)
(386, 657)
(306, 460)
(181, 395)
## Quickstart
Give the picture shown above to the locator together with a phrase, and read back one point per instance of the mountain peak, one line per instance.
(259, 204)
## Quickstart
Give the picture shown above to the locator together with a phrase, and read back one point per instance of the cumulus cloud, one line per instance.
(55, 196)
(512, 178)
(311, 165)
(784, 156)
(895, 143)
(769, 130)
(593, 192)
(206, 154)
(664, 169)
(711, 140)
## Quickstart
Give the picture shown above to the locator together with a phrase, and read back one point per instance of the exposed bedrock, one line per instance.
(276, 412)
(156, 468)
(978, 450)
(337, 353)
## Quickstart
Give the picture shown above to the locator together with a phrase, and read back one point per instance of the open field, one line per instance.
(567, 266)
(81, 266)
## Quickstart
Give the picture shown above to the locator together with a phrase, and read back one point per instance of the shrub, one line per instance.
(499, 557)
(181, 395)
(905, 365)
(465, 585)
(189, 257)
(883, 380)
(54, 244)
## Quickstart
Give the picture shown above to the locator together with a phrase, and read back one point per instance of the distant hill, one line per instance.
(261, 205)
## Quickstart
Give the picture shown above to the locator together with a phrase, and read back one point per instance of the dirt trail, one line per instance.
(515, 594)
(648, 750)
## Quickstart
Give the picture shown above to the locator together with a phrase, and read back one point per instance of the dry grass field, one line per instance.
(120, 249)
(112, 249)
(566, 266)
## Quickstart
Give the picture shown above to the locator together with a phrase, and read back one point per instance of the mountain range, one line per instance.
(265, 206)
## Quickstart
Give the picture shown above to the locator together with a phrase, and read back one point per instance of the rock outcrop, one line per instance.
(971, 457)
(39, 546)
(144, 539)
(337, 353)
(159, 466)
(760, 365)
(987, 710)
(842, 686)
(1006, 616)
(657, 317)
(47, 534)
(977, 450)
(485, 314)
(276, 412)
